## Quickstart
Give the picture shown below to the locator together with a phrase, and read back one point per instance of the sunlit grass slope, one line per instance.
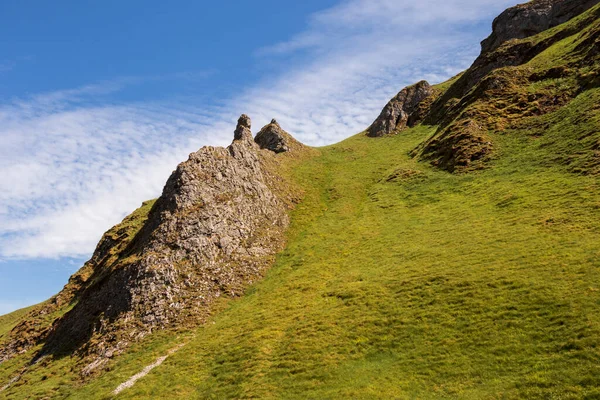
(8, 321)
(401, 281)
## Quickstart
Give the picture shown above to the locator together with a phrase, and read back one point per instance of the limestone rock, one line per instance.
(395, 116)
(214, 230)
(272, 137)
(498, 51)
(531, 18)
(242, 130)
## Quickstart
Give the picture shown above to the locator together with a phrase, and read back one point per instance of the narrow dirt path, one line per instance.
(131, 381)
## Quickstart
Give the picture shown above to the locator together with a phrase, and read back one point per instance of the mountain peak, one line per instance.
(242, 130)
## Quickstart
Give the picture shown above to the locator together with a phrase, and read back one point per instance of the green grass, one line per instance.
(401, 281)
(8, 321)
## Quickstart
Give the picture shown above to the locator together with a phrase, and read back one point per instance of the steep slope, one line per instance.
(211, 233)
(513, 82)
(214, 231)
(398, 279)
(510, 82)
(8, 321)
(403, 281)
(37, 322)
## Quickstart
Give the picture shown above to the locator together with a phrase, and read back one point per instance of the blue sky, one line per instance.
(99, 101)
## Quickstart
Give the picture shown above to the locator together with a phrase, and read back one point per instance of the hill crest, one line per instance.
(226, 212)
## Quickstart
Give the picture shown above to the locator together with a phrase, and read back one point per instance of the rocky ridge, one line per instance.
(500, 86)
(214, 230)
(528, 19)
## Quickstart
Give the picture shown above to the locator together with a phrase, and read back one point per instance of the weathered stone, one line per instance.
(242, 130)
(498, 51)
(531, 18)
(214, 231)
(396, 114)
(272, 137)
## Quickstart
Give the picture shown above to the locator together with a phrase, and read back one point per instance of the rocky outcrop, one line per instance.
(490, 95)
(401, 111)
(242, 130)
(214, 230)
(498, 52)
(272, 137)
(531, 18)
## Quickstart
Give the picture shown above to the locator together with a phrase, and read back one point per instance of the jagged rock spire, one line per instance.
(242, 130)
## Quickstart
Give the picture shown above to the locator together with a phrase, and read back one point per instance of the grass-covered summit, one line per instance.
(458, 258)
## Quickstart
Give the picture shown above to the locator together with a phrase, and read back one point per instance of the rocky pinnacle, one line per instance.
(214, 230)
(242, 130)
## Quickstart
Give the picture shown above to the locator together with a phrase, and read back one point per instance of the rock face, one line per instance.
(35, 327)
(490, 96)
(242, 130)
(531, 18)
(214, 230)
(401, 110)
(419, 102)
(510, 54)
(272, 137)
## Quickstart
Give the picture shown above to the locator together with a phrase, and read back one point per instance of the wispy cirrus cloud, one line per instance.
(65, 175)
(364, 24)
(74, 162)
(353, 57)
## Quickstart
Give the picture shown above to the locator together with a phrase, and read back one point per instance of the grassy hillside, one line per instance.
(401, 280)
(8, 321)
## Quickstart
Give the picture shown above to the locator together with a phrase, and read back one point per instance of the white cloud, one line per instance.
(357, 23)
(68, 175)
(358, 54)
(7, 66)
(71, 167)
